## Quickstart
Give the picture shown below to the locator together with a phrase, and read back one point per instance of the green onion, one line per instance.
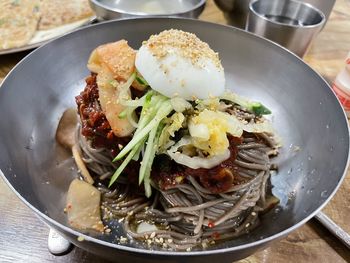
(122, 115)
(260, 109)
(252, 106)
(141, 80)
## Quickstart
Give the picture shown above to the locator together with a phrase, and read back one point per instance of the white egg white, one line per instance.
(176, 76)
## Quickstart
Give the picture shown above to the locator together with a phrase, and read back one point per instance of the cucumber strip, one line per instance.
(123, 165)
(164, 110)
(148, 189)
(147, 176)
(147, 156)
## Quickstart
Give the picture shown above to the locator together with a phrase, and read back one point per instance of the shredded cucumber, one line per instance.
(163, 111)
(155, 108)
(123, 165)
(148, 155)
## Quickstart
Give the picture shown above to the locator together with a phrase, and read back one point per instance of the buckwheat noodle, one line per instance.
(188, 215)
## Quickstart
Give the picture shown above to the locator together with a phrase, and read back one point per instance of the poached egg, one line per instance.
(178, 64)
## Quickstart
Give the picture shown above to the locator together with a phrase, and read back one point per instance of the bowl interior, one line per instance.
(306, 115)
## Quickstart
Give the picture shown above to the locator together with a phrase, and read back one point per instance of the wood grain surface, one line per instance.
(23, 237)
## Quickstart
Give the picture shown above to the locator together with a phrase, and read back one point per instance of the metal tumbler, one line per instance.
(290, 23)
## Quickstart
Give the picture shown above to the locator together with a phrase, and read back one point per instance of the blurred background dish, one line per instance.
(26, 24)
(236, 11)
(107, 9)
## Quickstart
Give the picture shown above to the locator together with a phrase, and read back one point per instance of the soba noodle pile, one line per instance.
(188, 215)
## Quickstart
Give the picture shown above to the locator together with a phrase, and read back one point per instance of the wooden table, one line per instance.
(23, 238)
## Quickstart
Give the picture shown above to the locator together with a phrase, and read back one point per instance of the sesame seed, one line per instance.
(123, 240)
(153, 235)
(188, 46)
(253, 214)
(247, 225)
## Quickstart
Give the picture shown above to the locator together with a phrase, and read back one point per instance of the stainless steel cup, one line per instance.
(290, 23)
(236, 11)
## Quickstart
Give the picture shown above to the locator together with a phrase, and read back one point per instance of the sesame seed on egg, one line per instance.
(178, 62)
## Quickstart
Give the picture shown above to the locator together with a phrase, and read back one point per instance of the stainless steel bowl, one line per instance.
(236, 11)
(108, 9)
(307, 116)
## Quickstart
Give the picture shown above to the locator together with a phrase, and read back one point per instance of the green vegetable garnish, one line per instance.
(259, 109)
(156, 107)
(153, 122)
(122, 115)
(141, 80)
(252, 106)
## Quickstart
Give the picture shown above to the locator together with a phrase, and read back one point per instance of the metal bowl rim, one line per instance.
(124, 12)
(276, 236)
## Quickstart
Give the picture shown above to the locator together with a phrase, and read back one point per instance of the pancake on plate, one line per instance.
(58, 12)
(18, 22)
